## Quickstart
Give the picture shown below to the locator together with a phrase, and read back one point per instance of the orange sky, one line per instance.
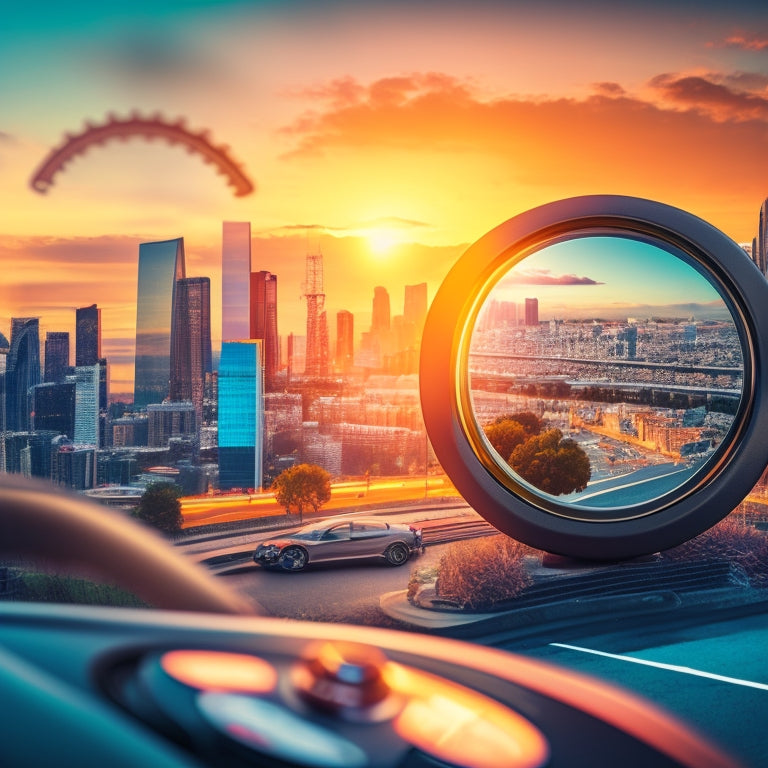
(363, 126)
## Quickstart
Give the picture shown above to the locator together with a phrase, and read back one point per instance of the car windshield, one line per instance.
(224, 224)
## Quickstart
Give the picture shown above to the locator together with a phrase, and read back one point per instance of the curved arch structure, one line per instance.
(148, 128)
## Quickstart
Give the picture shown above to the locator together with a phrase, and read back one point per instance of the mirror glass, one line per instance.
(604, 372)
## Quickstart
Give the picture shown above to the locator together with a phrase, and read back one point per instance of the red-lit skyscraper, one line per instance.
(56, 356)
(317, 322)
(87, 335)
(532, 312)
(264, 323)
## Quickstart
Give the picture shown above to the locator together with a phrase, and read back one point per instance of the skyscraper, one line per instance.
(161, 264)
(415, 306)
(56, 356)
(87, 404)
(317, 321)
(380, 319)
(345, 340)
(241, 414)
(760, 243)
(191, 356)
(87, 335)
(22, 371)
(53, 407)
(532, 312)
(235, 280)
(264, 322)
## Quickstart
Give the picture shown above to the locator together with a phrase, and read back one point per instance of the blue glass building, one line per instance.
(241, 414)
(22, 371)
(161, 264)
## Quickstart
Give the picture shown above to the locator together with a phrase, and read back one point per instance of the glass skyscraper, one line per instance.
(264, 322)
(191, 354)
(22, 371)
(241, 414)
(88, 335)
(161, 264)
(87, 404)
(56, 356)
(235, 280)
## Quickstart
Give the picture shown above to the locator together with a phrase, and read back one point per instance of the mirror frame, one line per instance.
(535, 519)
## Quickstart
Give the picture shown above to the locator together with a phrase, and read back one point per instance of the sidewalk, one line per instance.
(397, 606)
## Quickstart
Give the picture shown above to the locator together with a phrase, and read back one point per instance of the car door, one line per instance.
(333, 544)
(369, 538)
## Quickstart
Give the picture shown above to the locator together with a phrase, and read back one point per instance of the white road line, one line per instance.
(671, 667)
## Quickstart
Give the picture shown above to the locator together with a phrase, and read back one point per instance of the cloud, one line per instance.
(716, 99)
(545, 277)
(110, 249)
(744, 42)
(7, 137)
(609, 89)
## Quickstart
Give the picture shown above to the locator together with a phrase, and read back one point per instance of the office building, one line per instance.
(760, 243)
(161, 265)
(72, 466)
(87, 335)
(380, 317)
(235, 280)
(532, 312)
(264, 323)
(56, 356)
(241, 414)
(345, 340)
(22, 372)
(86, 378)
(53, 407)
(316, 360)
(191, 358)
(170, 420)
(415, 306)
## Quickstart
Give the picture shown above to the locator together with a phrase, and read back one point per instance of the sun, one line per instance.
(382, 240)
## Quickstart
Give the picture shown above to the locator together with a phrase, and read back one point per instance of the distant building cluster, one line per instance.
(216, 422)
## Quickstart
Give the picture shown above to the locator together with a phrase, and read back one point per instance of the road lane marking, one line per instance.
(671, 667)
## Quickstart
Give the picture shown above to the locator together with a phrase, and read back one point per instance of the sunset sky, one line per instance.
(388, 135)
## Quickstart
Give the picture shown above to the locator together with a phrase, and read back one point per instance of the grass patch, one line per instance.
(49, 588)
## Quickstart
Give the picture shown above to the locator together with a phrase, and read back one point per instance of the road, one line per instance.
(345, 592)
(346, 495)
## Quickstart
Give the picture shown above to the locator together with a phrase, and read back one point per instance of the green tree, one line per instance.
(507, 432)
(528, 420)
(160, 507)
(302, 486)
(552, 464)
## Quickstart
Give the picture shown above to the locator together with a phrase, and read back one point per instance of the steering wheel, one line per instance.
(67, 531)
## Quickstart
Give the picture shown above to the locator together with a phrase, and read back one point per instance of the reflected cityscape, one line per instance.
(646, 399)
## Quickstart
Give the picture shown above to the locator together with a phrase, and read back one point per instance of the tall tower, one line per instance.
(56, 355)
(22, 371)
(264, 322)
(161, 265)
(235, 280)
(191, 355)
(317, 323)
(87, 335)
(87, 404)
(532, 312)
(381, 311)
(241, 415)
(760, 244)
(345, 340)
(415, 306)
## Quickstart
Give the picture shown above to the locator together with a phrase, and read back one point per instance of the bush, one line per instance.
(160, 507)
(728, 540)
(479, 573)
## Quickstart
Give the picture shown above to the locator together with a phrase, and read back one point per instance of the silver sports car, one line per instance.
(331, 540)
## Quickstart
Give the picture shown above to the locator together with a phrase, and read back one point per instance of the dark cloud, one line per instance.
(713, 98)
(609, 89)
(7, 137)
(534, 277)
(110, 249)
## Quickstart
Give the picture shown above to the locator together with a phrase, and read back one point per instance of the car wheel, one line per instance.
(292, 559)
(397, 554)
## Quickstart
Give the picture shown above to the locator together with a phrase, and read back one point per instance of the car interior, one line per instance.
(649, 664)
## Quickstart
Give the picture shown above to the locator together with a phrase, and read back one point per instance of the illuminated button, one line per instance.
(347, 679)
(220, 671)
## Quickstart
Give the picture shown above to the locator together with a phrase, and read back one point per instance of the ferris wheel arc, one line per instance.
(148, 128)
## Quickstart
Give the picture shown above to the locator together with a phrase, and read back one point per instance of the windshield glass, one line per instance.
(223, 225)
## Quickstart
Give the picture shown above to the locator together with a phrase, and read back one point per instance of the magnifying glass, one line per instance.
(591, 376)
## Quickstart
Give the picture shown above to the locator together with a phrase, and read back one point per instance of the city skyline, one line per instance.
(339, 132)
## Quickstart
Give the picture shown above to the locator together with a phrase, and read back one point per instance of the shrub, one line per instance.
(728, 540)
(479, 573)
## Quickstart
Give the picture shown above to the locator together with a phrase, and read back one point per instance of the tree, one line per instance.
(507, 432)
(160, 507)
(301, 486)
(552, 464)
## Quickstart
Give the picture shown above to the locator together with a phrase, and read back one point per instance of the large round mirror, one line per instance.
(589, 376)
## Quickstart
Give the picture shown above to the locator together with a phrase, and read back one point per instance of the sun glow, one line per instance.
(381, 241)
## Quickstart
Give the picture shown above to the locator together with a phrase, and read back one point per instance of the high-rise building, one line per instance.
(53, 407)
(56, 356)
(191, 357)
(161, 265)
(415, 306)
(87, 335)
(380, 318)
(86, 378)
(532, 312)
(72, 466)
(22, 371)
(235, 280)
(168, 420)
(264, 323)
(241, 414)
(760, 243)
(317, 321)
(345, 340)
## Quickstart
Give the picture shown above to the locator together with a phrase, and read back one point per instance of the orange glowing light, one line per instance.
(220, 671)
(461, 726)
